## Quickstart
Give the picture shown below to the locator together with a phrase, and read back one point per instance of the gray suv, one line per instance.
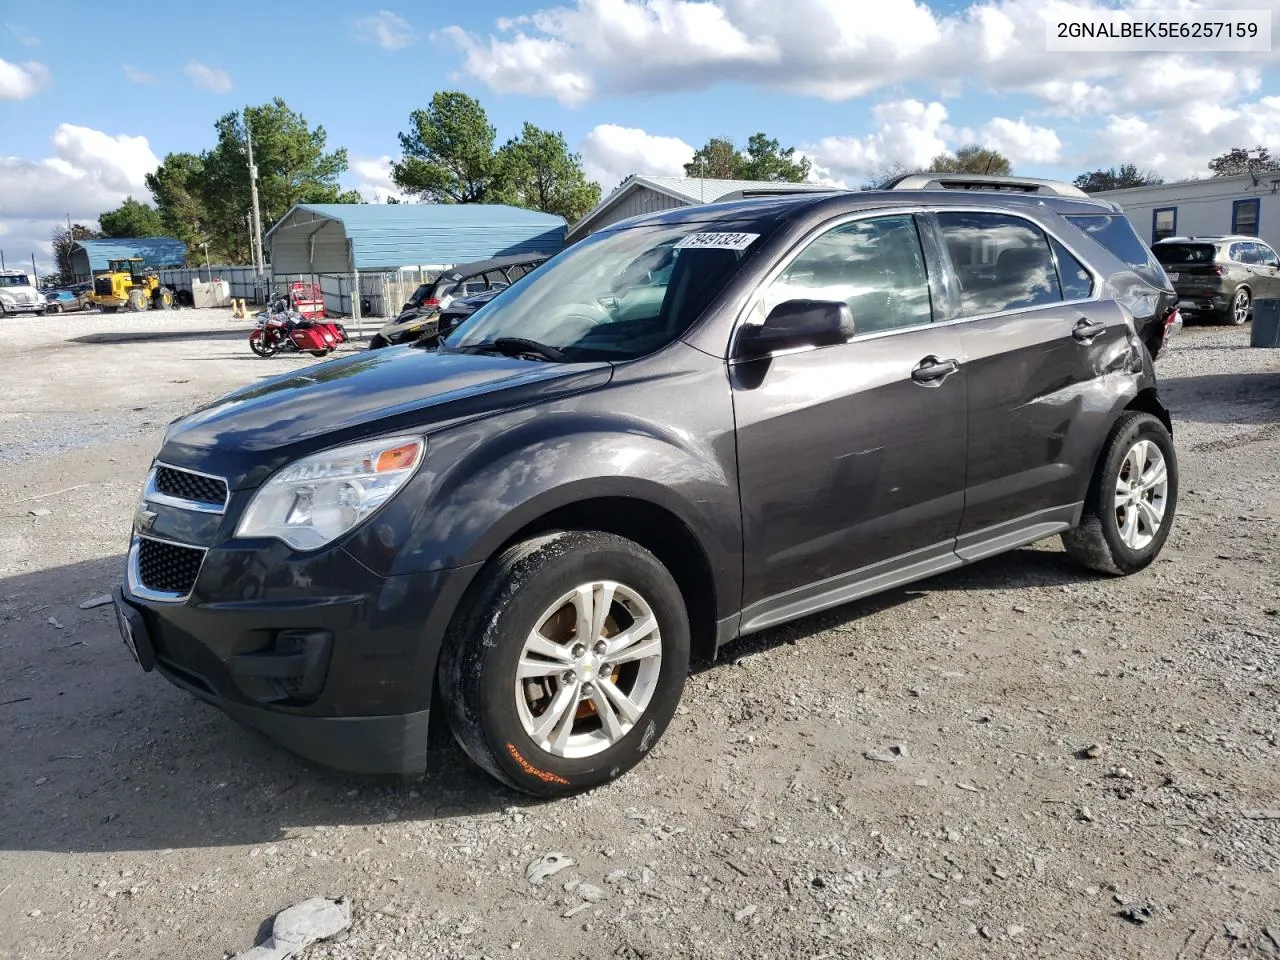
(1219, 278)
(690, 427)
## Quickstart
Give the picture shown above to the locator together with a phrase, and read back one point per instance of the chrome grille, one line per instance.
(194, 487)
(168, 568)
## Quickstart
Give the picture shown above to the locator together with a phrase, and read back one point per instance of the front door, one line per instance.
(851, 457)
(1037, 348)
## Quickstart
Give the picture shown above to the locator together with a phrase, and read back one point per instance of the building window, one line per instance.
(1164, 223)
(1244, 217)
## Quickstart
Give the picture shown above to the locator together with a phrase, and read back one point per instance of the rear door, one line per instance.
(1037, 346)
(1269, 268)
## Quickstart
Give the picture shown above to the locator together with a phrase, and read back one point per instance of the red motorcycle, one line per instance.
(287, 331)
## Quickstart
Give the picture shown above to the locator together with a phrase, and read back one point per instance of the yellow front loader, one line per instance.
(127, 284)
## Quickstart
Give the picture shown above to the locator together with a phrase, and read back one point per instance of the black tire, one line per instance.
(185, 299)
(138, 300)
(54, 308)
(377, 342)
(261, 347)
(1240, 310)
(162, 299)
(486, 641)
(1097, 542)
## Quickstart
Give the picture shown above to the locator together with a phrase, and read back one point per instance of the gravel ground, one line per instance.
(1068, 765)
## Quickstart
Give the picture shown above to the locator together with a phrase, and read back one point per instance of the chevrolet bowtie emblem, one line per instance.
(144, 519)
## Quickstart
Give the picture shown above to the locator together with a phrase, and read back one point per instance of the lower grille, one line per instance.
(190, 486)
(168, 567)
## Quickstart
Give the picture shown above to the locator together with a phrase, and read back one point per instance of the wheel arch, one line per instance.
(1148, 401)
(658, 530)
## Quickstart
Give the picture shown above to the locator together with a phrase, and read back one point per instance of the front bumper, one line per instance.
(340, 672)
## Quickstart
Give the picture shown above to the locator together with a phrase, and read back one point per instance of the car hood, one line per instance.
(249, 434)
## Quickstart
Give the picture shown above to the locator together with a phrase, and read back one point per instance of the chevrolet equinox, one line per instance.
(687, 428)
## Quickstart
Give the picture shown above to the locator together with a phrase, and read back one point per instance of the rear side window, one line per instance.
(1002, 262)
(1076, 282)
(1116, 234)
(1184, 254)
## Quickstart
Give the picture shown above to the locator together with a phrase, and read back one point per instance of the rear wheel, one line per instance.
(162, 298)
(1129, 509)
(568, 662)
(1241, 306)
(137, 300)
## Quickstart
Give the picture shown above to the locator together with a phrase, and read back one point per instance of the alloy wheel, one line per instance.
(588, 670)
(1240, 307)
(1142, 491)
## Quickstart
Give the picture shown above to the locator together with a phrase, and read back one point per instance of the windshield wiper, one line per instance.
(515, 346)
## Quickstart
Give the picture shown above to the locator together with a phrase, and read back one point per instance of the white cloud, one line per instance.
(908, 132)
(833, 49)
(372, 177)
(611, 153)
(1018, 140)
(19, 81)
(89, 172)
(134, 75)
(213, 79)
(388, 30)
(1178, 142)
(24, 38)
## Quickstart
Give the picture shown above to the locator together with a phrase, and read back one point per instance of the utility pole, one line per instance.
(35, 275)
(253, 192)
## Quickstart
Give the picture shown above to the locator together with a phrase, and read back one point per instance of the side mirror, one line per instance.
(800, 323)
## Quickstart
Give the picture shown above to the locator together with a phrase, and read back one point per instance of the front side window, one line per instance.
(1244, 217)
(875, 266)
(619, 294)
(1002, 262)
(1267, 257)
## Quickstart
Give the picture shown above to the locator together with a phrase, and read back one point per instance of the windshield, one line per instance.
(14, 280)
(1115, 233)
(1183, 253)
(618, 295)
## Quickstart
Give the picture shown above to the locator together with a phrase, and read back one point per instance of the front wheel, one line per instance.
(262, 345)
(568, 662)
(1129, 509)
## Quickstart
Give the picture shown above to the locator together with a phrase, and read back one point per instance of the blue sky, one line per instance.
(633, 84)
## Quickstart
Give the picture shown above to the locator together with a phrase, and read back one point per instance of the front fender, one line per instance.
(487, 480)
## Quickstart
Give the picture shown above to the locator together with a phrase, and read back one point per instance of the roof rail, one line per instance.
(980, 181)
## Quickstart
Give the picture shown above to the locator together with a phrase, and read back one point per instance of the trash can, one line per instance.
(1266, 324)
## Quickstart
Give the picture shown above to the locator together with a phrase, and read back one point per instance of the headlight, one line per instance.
(317, 499)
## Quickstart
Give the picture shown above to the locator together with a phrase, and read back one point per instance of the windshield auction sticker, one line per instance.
(718, 241)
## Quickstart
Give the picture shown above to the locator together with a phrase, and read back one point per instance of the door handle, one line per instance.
(1085, 330)
(931, 371)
